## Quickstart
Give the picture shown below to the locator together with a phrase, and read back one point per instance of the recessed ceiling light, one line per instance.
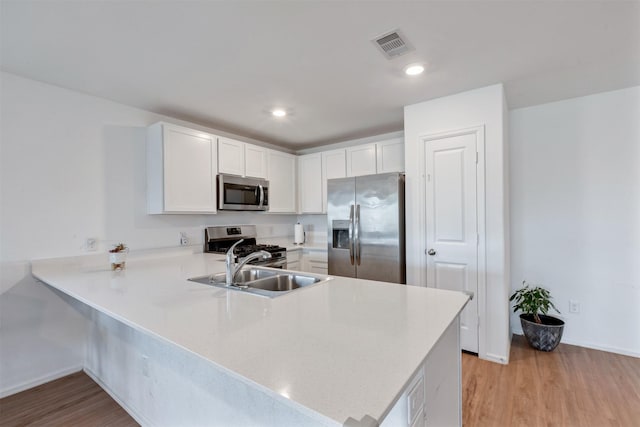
(279, 112)
(414, 70)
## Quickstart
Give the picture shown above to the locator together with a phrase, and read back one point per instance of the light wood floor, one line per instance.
(571, 386)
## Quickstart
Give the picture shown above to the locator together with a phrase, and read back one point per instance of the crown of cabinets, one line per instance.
(315, 169)
(182, 165)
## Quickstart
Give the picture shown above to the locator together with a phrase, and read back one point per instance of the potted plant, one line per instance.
(542, 332)
(118, 256)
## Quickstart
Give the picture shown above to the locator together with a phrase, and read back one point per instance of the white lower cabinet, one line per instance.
(315, 262)
(181, 170)
(294, 260)
(434, 395)
(420, 420)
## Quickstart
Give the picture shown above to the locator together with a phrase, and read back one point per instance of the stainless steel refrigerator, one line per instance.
(366, 227)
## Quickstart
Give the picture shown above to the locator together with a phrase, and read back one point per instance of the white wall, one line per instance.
(575, 203)
(480, 107)
(72, 167)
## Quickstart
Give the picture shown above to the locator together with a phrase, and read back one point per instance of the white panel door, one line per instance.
(255, 161)
(451, 223)
(189, 171)
(230, 156)
(334, 165)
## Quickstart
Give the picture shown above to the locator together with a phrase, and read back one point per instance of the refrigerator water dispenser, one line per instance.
(340, 228)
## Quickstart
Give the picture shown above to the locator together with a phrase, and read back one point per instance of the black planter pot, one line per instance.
(543, 336)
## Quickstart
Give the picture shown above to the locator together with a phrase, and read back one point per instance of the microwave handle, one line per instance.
(261, 203)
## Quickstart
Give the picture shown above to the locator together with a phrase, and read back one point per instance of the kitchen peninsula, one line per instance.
(343, 352)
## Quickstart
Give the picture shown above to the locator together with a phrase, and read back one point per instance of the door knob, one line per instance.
(432, 252)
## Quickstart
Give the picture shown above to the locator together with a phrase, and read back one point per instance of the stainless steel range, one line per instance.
(220, 238)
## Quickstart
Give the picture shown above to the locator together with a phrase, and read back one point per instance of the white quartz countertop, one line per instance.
(344, 348)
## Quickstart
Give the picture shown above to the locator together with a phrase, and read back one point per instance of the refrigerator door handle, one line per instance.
(351, 258)
(357, 234)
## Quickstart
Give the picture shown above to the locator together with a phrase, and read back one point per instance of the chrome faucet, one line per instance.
(232, 269)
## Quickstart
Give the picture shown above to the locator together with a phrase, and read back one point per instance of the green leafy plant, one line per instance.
(532, 300)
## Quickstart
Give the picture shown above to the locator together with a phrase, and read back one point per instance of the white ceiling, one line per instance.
(225, 64)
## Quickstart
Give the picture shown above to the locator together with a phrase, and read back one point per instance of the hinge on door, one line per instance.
(477, 157)
(428, 177)
(477, 239)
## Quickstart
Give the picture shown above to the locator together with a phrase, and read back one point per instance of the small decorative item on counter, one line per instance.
(118, 256)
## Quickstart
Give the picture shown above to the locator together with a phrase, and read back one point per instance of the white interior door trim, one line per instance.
(479, 132)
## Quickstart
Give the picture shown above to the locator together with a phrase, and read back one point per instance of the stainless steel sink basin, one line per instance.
(261, 281)
(282, 282)
(243, 276)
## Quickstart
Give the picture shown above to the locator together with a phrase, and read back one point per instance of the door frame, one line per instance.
(479, 133)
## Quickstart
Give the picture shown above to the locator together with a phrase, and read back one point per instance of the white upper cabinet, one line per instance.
(310, 183)
(255, 161)
(181, 170)
(282, 181)
(334, 165)
(361, 160)
(230, 156)
(390, 155)
(239, 158)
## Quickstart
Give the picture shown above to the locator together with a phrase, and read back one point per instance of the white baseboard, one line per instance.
(40, 380)
(134, 414)
(495, 358)
(592, 346)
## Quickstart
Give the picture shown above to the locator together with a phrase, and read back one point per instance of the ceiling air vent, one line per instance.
(392, 44)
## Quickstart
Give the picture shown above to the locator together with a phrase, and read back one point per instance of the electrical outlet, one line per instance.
(184, 241)
(574, 306)
(91, 244)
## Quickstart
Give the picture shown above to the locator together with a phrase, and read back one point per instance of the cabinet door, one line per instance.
(255, 161)
(390, 155)
(361, 160)
(294, 260)
(182, 167)
(315, 262)
(282, 181)
(334, 165)
(310, 182)
(230, 156)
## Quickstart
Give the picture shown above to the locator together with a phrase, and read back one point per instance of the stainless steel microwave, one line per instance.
(236, 193)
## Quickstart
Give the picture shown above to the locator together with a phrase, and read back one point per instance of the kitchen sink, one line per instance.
(284, 282)
(261, 281)
(243, 276)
